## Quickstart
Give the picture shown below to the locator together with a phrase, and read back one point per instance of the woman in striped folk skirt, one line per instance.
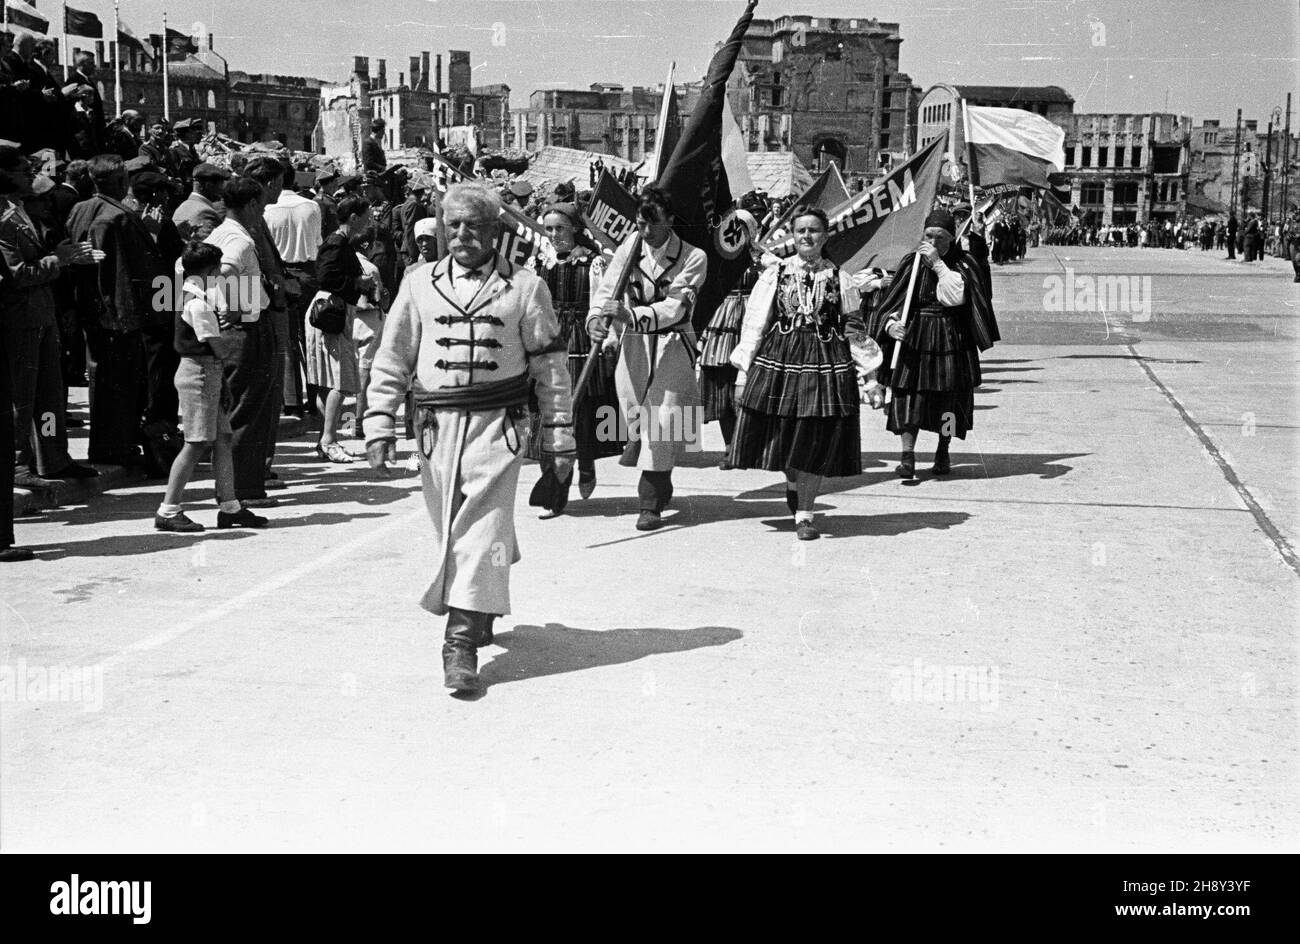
(717, 375)
(804, 363)
(950, 321)
(572, 280)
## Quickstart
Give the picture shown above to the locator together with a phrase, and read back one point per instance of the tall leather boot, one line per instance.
(459, 651)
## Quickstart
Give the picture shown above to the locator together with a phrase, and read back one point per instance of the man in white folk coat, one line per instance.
(651, 326)
(471, 331)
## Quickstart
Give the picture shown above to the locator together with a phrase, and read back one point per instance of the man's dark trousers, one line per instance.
(249, 376)
(115, 364)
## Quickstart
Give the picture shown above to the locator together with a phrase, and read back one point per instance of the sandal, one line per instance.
(333, 453)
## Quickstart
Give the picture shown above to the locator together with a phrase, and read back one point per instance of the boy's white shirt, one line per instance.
(201, 307)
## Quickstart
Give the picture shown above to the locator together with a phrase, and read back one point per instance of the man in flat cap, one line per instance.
(183, 152)
(202, 212)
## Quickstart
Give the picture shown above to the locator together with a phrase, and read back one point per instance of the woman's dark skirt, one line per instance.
(938, 371)
(799, 409)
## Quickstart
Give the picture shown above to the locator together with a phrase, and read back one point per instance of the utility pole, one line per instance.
(1236, 165)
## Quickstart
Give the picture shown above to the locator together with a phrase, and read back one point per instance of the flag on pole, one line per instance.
(883, 223)
(668, 130)
(696, 178)
(611, 212)
(1013, 146)
(81, 23)
(18, 13)
(178, 44)
(827, 193)
(126, 37)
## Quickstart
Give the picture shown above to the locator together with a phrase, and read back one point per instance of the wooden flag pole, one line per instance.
(167, 98)
(907, 309)
(117, 60)
(629, 264)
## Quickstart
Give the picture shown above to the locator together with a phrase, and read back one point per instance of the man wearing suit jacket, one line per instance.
(48, 105)
(117, 301)
(84, 74)
(201, 212)
(31, 334)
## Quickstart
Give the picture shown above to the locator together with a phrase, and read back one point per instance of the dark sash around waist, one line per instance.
(494, 395)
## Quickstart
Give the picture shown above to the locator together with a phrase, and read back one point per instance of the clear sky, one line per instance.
(1205, 58)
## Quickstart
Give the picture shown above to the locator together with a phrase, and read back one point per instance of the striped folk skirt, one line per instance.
(938, 371)
(717, 376)
(799, 409)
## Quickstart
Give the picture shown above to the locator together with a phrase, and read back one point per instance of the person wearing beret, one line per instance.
(950, 321)
(201, 212)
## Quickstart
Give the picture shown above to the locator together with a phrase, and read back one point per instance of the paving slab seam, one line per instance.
(1230, 475)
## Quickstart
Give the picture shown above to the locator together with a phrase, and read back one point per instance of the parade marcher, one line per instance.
(206, 334)
(572, 282)
(367, 324)
(805, 363)
(425, 234)
(718, 341)
(332, 365)
(471, 335)
(415, 208)
(8, 553)
(651, 327)
(949, 323)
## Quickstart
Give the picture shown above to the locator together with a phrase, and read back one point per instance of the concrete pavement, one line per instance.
(1083, 639)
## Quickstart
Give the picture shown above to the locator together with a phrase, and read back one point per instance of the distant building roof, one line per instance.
(1016, 93)
(555, 165)
(191, 68)
(779, 173)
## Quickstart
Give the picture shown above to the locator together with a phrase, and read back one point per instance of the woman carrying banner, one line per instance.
(950, 321)
(651, 326)
(718, 340)
(573, 280)
(805, 362)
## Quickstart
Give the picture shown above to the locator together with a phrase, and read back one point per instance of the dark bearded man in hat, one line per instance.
(949, 323)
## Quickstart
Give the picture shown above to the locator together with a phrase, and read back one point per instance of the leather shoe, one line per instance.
(179, 522)
(75, 470)
(12, 555)
(460, 667)
(806, 531)
(25, 479)
(240, 519)
(586, 484)
(941, 464)
(907, 465)
(649, 521)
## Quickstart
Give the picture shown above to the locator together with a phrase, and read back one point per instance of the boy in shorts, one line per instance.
(206, 336)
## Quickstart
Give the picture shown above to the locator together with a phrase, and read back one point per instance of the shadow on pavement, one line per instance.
(553, 649)
(126, 545)
(1124, 357)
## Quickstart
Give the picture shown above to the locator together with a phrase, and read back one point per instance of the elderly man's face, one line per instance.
(426, 245)
(471, 234)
